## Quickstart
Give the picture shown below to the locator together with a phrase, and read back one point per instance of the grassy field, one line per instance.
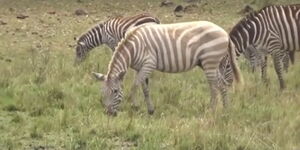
(47, 103)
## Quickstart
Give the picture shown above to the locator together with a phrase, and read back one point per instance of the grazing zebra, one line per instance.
(109, 32)
(273, 30)
(168, 48)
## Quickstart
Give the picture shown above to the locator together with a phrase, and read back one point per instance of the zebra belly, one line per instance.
(174, 67)
(174, 71)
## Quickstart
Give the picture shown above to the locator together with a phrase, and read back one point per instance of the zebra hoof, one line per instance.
(151, 111)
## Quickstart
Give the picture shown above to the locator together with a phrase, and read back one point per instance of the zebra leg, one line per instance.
(142, 77)
(213, 94)
(213, 85)
(131, 97)
(277, 57)
(264, 66)
(148, 101)
(286, 61)
(224, 81)
(134, 103)
(223, 90)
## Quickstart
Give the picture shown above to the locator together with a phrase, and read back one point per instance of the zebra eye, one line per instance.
(115, 91)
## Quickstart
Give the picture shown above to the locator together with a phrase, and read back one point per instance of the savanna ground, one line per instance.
(47, 103)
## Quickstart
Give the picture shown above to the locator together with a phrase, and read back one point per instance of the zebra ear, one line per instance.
(81, 43)
(99, 76)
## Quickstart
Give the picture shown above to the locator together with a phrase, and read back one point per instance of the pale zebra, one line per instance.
(109, 32)
(169, 48)
(273, 30)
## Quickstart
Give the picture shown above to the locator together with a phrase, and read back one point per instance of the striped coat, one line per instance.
(273, 30)
(259, 59)
(171, 48)
(109, 32)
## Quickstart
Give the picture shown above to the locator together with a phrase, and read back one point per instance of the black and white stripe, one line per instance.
(109, 32)
(171, 48)
(259, 59)
(273, 30)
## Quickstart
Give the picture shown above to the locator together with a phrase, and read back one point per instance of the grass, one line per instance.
(47, 103)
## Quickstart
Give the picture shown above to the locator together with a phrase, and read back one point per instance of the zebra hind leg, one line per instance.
(213, 85)
(292, 56)
(225, 80)
(223, 90)
(286, 61)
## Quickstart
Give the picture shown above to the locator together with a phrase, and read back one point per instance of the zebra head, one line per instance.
(81, 51)
(112, 93)
(93, 38)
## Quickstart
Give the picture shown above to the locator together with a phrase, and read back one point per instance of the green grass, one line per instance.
(47, 103)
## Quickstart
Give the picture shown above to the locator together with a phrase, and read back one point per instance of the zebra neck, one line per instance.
(239, 49)
(93, 37)
(119, 63)
(92, 45)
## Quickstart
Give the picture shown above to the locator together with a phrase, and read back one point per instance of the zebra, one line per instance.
(110, 33)
(273, 30)
(170, 48)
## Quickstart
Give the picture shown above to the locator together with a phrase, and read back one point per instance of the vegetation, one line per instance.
(47, 103)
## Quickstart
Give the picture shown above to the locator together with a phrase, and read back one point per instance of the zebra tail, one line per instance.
(292, 56)
(236, 69)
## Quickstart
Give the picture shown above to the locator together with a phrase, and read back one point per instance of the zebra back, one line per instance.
(271, 22)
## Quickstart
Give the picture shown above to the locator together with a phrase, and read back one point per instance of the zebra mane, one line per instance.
(83, 36)
(128, 34)
(101, 24)
(241, 23)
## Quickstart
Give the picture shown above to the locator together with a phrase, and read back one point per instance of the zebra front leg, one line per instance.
(279, 69)
(134, 103)
(264, 66)
(132, 98)
(142, 77)
(148, 101)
